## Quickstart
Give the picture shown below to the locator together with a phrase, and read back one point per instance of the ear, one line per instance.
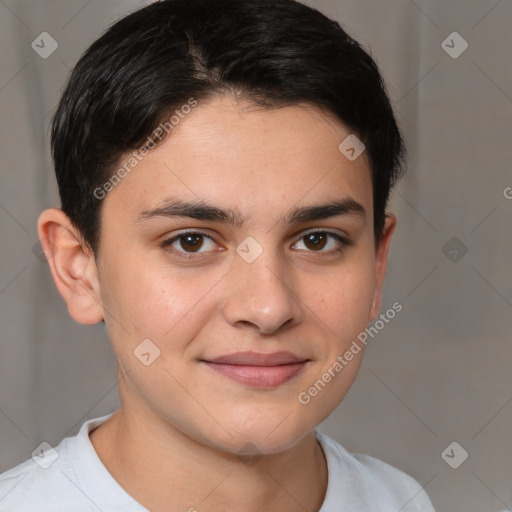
(72, 265)
(381, 261)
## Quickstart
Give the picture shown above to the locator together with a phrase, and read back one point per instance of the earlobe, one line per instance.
(381, 261)
(72, 266)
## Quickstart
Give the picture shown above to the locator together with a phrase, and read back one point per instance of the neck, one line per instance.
(165, 470)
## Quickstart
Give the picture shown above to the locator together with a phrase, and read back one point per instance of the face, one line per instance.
(246, 231)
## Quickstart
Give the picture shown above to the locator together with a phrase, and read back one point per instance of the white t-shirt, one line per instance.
(71, 477)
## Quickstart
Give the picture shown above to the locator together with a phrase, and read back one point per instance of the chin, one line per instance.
(265, 437)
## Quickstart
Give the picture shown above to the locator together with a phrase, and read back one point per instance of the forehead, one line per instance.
(249, 159)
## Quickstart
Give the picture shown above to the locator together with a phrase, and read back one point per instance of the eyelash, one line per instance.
(166, 244)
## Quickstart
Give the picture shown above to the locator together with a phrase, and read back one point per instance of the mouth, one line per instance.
(258, 370)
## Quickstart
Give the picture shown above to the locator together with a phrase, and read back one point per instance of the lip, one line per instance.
(258, 370)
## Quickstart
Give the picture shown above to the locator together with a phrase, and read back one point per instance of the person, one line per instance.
(224, 169)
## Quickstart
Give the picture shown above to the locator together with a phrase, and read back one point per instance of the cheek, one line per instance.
(146, 302)
(343, 298)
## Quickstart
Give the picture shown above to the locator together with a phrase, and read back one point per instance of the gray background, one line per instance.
(438, 373)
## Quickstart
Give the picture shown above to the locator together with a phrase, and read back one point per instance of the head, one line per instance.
(210, 206)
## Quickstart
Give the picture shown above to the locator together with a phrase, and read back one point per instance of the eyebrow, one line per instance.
(199, 210)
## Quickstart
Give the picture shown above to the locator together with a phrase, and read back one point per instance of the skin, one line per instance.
(174, 444)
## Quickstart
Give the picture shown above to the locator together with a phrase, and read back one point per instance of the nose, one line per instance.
(261, 295)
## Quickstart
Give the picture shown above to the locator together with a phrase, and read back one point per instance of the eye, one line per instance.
(323, 241)
(188, 243)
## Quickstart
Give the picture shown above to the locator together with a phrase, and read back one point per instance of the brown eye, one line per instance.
(191, 242)
(315, 241)
(186, 244)
(323, 242)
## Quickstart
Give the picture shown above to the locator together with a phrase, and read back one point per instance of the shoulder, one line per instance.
(42, 485)
(368, 483)
(54, 479)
